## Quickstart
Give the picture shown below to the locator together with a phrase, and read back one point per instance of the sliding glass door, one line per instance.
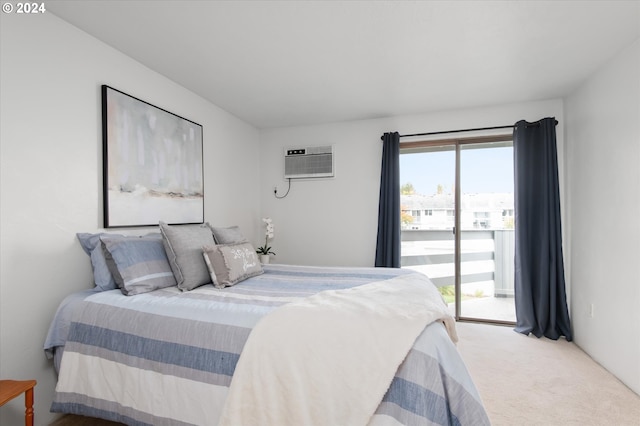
(457, 222)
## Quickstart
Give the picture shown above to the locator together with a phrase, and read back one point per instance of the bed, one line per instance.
(168, 356)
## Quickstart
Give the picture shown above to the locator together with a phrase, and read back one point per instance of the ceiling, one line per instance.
(291, 63)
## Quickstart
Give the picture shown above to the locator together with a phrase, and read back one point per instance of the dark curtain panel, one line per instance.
(540, 298)
(388, 244)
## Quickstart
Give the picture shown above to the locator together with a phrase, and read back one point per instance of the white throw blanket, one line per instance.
(330, 358)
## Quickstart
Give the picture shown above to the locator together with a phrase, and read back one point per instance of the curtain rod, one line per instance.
(457, 131)
(465, 130)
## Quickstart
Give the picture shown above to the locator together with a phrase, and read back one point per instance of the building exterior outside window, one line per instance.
(479, 211)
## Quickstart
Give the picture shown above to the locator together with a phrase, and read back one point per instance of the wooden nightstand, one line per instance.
(10, 389)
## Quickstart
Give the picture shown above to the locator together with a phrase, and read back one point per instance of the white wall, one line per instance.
(51, 171)
(603, 172)
(334, 221)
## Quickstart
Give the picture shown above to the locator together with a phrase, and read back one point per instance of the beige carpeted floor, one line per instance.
(525, 381)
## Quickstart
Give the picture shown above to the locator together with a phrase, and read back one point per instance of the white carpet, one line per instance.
(524, 380)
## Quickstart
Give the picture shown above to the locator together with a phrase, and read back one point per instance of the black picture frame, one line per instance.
(152, 164)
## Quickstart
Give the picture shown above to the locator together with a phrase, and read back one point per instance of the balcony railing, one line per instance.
(487, 258)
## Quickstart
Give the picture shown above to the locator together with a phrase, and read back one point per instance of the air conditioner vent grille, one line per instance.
(311, 162)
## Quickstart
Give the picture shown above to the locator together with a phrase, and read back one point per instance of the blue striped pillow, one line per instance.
(138, 265)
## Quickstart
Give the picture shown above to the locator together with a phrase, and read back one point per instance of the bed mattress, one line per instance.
(168, 357)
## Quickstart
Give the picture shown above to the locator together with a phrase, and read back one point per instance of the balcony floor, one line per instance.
(492, 308)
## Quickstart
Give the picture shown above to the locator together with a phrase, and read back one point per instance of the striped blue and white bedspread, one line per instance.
(167, 357)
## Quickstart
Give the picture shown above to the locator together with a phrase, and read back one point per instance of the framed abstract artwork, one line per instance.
(152, 164)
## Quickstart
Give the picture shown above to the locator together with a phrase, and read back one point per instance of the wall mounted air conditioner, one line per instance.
(309, 162)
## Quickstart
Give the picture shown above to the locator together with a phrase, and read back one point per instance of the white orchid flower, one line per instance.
(268, 235)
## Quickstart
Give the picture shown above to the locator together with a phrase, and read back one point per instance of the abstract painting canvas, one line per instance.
(152, 164)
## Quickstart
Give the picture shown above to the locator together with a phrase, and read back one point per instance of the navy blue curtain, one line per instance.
(540, 297)
(388, 244)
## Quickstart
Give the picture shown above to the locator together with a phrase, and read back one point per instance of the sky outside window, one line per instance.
(482, 170)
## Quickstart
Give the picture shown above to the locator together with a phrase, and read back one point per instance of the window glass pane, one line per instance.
(427, 181)
(486, 240)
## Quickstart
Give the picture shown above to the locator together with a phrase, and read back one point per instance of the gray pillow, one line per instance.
(230, 235)
(183, 244)
(229, 264)
(138, 265)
